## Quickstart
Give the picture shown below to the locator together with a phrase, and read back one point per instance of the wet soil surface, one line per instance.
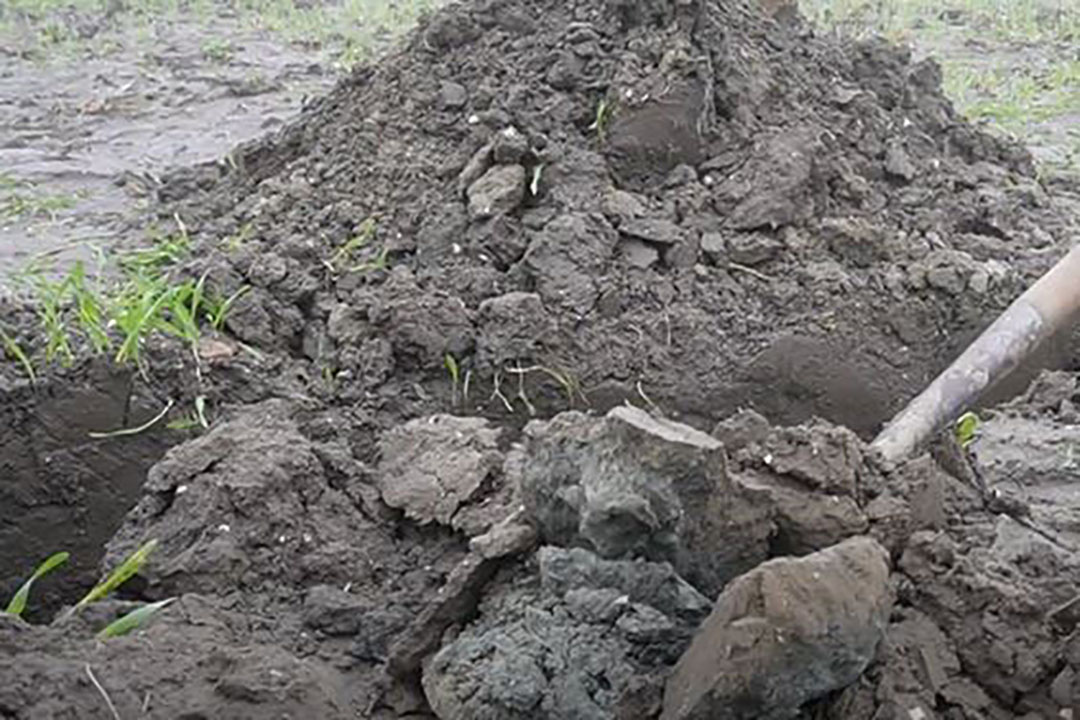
(568, 325)
(86, 133)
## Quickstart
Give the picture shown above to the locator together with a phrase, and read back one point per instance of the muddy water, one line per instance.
(84, 139)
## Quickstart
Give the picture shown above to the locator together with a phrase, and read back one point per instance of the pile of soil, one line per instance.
(427, 488)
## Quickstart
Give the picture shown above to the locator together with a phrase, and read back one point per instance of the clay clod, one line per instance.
(787, 632)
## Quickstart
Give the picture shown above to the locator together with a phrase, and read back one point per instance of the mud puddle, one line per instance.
(86, 134)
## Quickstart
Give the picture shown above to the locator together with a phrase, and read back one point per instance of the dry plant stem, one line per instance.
(1039, 313)
(100, 689)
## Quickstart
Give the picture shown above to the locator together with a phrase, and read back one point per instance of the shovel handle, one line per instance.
(1039, 313)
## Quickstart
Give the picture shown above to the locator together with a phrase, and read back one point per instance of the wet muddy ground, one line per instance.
(558, 336)
(95, 105)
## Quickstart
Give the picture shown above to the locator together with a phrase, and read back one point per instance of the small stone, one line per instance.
(507, 538)
(655, 230)
(681, 175)
(500, 190)
(744, 428)
(947, 278)
(478, 164)
(1061, 687)
(979, 281)
(452, 96)
(683, 254)
(753, 249)
(620, 206)
(1066, 617)
(333, 611)
(565, 71)
(856, 240)
(714, 247)
(898, 164)
(643, 624)
(510, 146)
(599, 605)
(639, 254)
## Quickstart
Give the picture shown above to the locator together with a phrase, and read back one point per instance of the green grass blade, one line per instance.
(134, 619)
(18, 602)
(90, 313)
(200, 411)
(221, 312)
(966, 427)
(12, 348)
(136, 321)
(132, 565)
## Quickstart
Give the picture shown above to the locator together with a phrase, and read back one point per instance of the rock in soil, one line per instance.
(580, 643)
(631, 484)
(789, 631)
(432, 466)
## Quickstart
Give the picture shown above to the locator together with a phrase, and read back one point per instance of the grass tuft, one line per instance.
(116, 318)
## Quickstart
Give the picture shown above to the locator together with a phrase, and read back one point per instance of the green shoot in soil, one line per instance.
(18, 601)
(344, 254)
(15, 350)
(218, 310)
(451, 365)
(134, 619)
(217, 49)
(21, 199)
(180, 316)
(570, 385)
(534, 184)
(604, 112)
(966, 428)
(90, 312)
(51, 296)
(131, 566)
(137, 310)
(197, 418)
(77, 314)
(165, 251)
(380, 262)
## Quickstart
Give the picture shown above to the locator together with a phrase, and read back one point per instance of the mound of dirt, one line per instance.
(691, 200)
(427, 488)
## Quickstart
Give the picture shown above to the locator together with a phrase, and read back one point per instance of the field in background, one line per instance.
(1011, 64)
(339, 33)
(98, 97)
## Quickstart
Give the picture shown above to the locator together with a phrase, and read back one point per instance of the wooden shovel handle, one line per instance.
(1039, 313)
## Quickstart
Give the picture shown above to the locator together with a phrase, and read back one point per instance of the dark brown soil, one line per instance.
(691, 207)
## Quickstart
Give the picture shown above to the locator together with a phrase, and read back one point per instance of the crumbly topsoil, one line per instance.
(694, 207)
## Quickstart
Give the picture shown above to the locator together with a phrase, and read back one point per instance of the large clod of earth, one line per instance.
(568, 323)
